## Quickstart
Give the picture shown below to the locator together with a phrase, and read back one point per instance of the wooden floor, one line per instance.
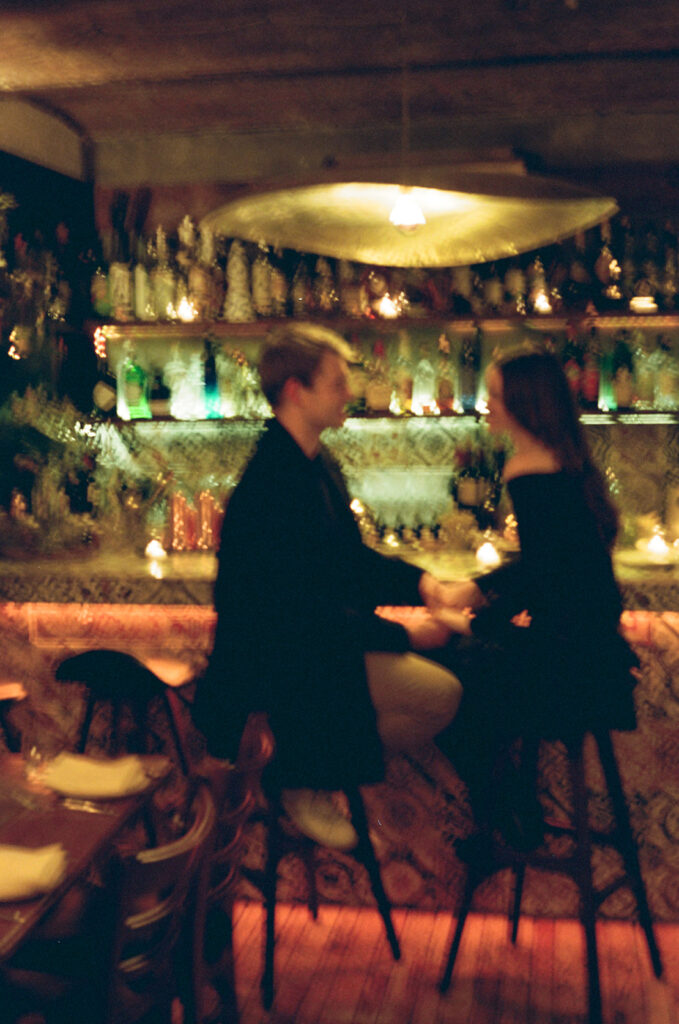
(338, 970)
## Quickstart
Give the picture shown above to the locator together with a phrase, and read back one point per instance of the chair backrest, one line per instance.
(110, 674)
(160, 907)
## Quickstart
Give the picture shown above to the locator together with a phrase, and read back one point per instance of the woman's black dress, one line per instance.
(568, 671)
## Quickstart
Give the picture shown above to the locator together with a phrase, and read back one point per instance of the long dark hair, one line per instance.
(536, 393)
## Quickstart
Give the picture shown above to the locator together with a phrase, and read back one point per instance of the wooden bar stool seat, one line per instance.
(575, 864)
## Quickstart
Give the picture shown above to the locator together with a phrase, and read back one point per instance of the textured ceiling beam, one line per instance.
(43, 138)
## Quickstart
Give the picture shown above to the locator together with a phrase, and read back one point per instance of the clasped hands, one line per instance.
(448, 609)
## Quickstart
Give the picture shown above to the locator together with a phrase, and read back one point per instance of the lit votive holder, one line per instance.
(658, 549)
(487, 555)
(154, 549)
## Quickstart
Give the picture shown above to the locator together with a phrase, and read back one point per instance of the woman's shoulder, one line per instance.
(535, 462)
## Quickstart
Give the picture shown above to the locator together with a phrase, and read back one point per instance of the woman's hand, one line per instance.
(454, 621)
(460, 595)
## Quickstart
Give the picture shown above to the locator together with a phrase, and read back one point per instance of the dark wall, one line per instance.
(45, 199)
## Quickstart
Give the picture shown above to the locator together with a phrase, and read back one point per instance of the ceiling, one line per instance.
(168, 91)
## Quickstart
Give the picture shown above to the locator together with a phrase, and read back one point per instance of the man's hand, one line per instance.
(425, 632)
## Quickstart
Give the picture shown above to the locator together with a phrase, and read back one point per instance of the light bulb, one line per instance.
(406, 214)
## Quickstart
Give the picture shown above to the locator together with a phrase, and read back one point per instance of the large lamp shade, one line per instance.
(475, 218)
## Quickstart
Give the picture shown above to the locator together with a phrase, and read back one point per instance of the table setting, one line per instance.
(60, 812)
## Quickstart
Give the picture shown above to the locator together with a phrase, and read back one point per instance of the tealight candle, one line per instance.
(487, 555)
(657, 547)
(154, 549)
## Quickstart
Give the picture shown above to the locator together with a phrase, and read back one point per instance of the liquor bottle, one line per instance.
(262, 282)
(623, 383)
(279, 284)
(424, 385)
(515, 289)
(133, 388)
(607, 401)
(326, 299)
(185, 258)
(99, 293)
(445, 382)
(493, 291)
(144, 308)
(538, 291)
(163, 279)
(212, 395)
(645, 367)
(572, 359)
(300, 292)
(238, 306)
(469, 366)
(159, 396)
(201, 277)
(120, 271)
(591, 372)
(402, 375)
(378, 389)
(461, 291)
(349, 289)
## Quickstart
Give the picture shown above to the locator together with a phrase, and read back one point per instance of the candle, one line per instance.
(658, 548)
(487, 555)
(154, 549)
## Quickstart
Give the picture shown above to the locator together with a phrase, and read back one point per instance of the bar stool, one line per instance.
(120, 679)
(576, 865)
(11, 691)
(282, 839)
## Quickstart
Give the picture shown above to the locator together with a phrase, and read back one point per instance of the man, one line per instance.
(297, 635)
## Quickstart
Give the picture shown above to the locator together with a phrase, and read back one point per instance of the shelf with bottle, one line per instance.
(617, 366)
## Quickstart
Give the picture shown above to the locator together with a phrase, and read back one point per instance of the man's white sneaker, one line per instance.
(316, 815)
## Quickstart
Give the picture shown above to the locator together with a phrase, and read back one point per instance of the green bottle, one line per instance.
(133, 389)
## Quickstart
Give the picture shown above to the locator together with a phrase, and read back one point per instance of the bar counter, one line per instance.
(115, 578)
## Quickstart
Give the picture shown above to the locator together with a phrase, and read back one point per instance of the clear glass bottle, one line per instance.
(163, 279)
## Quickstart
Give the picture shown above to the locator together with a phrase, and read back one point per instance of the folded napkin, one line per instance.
(26, 872)
(91, 777)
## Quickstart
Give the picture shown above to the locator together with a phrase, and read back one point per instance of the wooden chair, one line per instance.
(157, 947)
(238, 798)
(122, 680)
(142, 945)
(575, 863)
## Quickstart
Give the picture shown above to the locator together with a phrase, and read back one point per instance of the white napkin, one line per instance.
(26, 872)
(91, 777)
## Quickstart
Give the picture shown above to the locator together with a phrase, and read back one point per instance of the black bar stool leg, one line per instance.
(366, 854)
(269, 887)
(628, 847)
(583, 863)
(174, 728)
(87, 722)
(519, 878)
(471, 883)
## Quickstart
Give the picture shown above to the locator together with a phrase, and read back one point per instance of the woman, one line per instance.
(538, 649)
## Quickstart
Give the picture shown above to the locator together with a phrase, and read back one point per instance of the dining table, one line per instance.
(31, 815)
